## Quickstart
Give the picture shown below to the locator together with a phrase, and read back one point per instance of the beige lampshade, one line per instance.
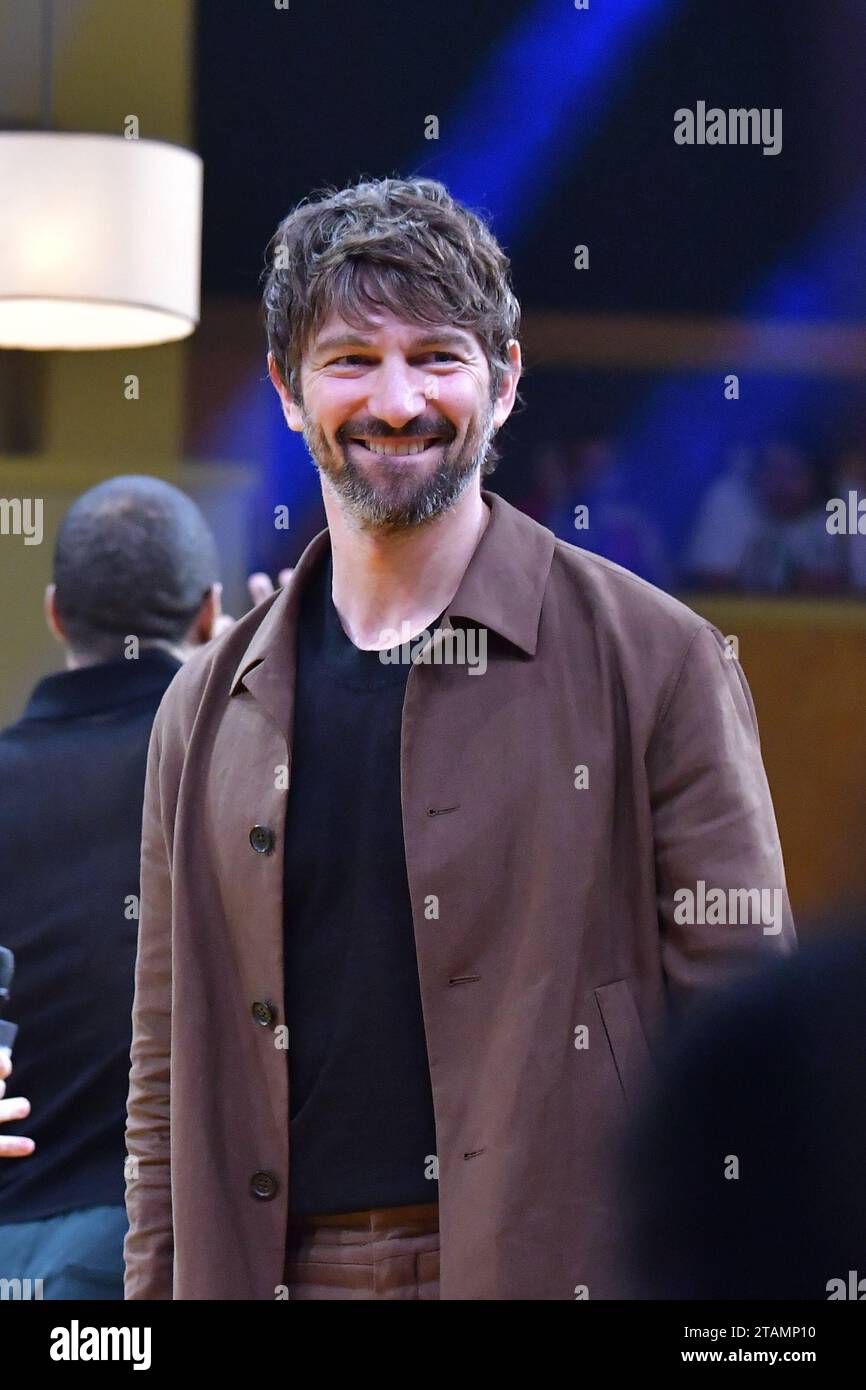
(100, 241)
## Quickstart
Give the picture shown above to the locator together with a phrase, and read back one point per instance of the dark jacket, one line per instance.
(71, 785)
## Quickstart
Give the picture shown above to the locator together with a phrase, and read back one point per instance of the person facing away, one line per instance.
(134, 592)
(429, 837)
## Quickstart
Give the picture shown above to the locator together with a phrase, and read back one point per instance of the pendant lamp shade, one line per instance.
(100, 241)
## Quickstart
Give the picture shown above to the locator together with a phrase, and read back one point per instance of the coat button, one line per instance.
(262, 839)
(263, 1013)
(264, 1186)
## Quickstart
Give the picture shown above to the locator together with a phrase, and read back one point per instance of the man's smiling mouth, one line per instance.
(400, 447)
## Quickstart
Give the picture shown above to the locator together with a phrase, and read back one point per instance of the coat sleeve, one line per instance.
(714, 828)
(149, 1244)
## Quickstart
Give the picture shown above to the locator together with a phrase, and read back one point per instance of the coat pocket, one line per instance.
(626, 1039)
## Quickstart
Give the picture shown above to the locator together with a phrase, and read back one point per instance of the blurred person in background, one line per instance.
(790, 549)
(547, 498)
(849, 476)
(134, 592)
(745, 1163)
(617, 527)
(580, 491)
(727, 520)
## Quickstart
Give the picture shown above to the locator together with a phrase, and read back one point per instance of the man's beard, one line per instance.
(395, 501)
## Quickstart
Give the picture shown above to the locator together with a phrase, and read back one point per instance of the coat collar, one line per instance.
(108, 685)
(502, 589)
(503, 586)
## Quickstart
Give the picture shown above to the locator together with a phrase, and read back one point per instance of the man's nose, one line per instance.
(397, 394)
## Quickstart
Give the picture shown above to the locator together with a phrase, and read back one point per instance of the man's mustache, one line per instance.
(422, 430)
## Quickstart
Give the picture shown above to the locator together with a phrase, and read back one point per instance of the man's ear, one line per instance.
(207, 619)
(291, 412)
(50, 609)
(504, 403)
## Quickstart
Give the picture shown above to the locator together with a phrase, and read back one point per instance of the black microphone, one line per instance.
(7, 971)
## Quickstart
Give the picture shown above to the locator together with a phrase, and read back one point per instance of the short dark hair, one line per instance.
(134, 556)
(402, 244)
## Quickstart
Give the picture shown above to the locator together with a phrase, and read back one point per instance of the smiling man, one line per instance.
(407, 939)
(448, 441)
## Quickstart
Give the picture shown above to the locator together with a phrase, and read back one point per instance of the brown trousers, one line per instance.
(387, 1252)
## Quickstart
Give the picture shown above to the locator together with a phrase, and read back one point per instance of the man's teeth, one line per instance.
(379, 446)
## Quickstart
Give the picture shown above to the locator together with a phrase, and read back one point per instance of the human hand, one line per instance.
(260, 586)
(12, 1146)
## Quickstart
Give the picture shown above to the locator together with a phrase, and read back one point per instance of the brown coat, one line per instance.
(556, 954)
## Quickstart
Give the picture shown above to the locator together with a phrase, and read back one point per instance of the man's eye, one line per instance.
(352, 359)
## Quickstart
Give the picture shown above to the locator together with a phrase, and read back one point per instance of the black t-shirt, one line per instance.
(361, 1129)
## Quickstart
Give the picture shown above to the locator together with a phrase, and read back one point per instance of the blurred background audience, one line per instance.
(761, 524)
